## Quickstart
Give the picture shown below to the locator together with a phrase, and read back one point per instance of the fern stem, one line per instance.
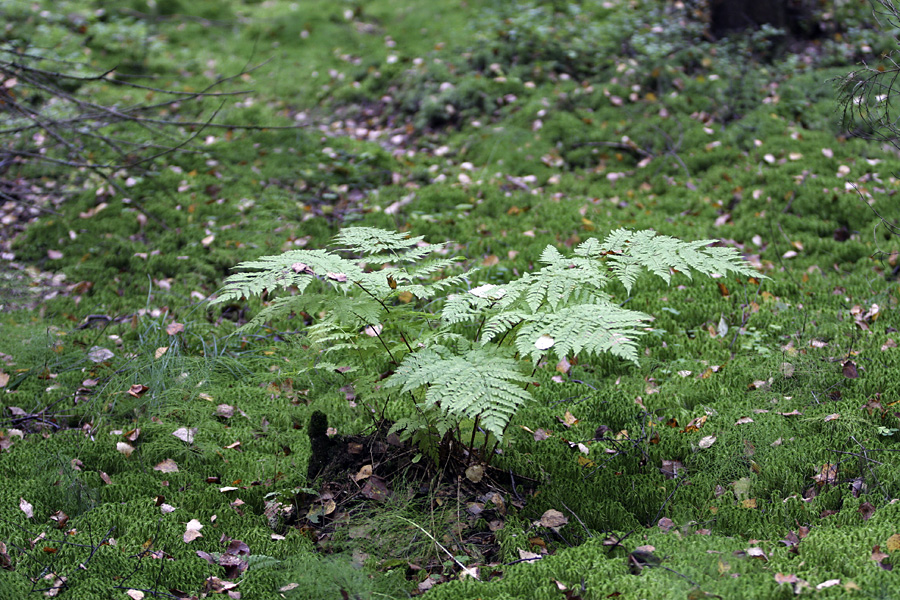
(478, 331)
(387, 310)
(374, 297)
(388, 350)
(508, 331)
(474, 429)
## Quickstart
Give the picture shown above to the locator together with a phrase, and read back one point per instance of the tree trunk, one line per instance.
(727, 16)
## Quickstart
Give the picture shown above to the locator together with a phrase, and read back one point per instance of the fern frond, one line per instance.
(479, 383)
(295, 268)
(629, 252)
(556, 283)
(281, 306)
(373, 241)
(427, 273)
(589, 328)
(354, 311)
(500, 323)
(465, 307)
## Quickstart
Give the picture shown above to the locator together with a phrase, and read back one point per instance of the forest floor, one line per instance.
(151, 450)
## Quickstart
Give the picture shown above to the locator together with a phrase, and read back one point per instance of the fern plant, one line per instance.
(463, 369)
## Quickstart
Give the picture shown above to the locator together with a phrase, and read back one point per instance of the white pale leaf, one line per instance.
(488, 291)
(185, 434)
(544, 342)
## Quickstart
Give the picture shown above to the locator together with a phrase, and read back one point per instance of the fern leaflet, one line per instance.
(479, 383)
(590, 328)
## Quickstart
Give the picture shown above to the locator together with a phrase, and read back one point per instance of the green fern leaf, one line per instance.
(296, 268)
(480, 383)
(373, 241)
(589, 328)
(629, 252)
(500, 323)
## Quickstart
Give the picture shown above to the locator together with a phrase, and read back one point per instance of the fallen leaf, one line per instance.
(364, 473)
(568, 419)
(743, 420)
(475, 473)
(694, 424)
(192, 531)
(671, 468)
(160, 352)
(893, 543)
(98, 354)
(26, 508)
(707, 441)
(185, 434)
(553, 518)
(173, 328)
(781, 578)
(849, 370)
(124, 448)
(827, 474)
(793, 413)
(375, 489)
(866, 510)
(167, 466)
(665, 524)
(137, 390)
(544, 342)
(757, 553)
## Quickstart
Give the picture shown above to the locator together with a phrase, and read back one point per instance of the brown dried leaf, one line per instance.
(364, 473)
(553, 518)
(866, 510)
(137, 390)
